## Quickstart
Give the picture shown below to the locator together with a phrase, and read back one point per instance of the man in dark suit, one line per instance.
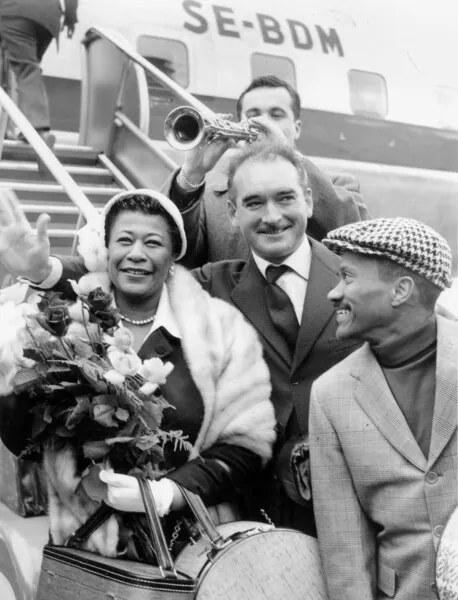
(199, 188)
(270, 203)
(27, 28)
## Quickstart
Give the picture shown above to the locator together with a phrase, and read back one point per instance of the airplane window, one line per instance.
(170, 56)
(266, 64)
(368, 94)
(448, 106)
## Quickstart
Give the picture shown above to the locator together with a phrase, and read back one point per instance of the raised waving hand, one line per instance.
(24, 251)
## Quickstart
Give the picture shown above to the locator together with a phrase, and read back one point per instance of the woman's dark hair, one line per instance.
(148, 206)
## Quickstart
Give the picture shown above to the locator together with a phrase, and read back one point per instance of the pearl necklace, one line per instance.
(132, 322)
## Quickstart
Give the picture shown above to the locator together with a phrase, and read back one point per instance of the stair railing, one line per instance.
(47, 157)
(115, 111)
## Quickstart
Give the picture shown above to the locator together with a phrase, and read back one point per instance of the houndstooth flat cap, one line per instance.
(405, 241)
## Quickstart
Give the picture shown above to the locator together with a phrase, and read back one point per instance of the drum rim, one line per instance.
(210, 563)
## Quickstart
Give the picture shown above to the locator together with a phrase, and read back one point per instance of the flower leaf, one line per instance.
(94, 487)
(147, 442)
(25, 379)
(121, 439)
(63, 432)
(82, 408)
(95, 450)
(109, 399)
(151, 414)
(103, 414)
(122, 414)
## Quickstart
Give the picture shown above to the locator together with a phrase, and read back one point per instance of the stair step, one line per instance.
(66, 153)
(28, 171)
(38, 193)
(59, 220)
(55, 188)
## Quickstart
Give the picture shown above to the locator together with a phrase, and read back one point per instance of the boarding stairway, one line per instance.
(97, 177)
(112, 151)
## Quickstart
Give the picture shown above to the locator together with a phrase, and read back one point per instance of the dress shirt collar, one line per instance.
(299, 261)
(164, 315)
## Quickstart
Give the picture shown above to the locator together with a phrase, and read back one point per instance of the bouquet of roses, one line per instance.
(84, 381)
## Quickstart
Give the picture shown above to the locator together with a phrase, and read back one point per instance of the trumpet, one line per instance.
(185, 127)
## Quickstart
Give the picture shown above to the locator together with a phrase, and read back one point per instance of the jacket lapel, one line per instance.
(318, 310)
(248, 295)
(375, 398)
(445, 407)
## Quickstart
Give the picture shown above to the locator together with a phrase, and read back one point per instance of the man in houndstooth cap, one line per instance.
(383, 421)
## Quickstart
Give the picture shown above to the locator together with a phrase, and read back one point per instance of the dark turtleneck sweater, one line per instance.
(409, 366)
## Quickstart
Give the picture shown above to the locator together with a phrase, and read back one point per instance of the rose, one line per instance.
(10, 362)
(107, 319)
(99, 300)
(127, 363)
(155, 372)
(124, 363)
(78, 312)
(55, 319)
(90, 282)
(78, 331)
(12, 328)
(54, 315)
(122, 339)
(12, 338)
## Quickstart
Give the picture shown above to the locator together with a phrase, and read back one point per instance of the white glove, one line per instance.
(123, 492)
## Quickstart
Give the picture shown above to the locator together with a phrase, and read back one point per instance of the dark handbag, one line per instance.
(69, 573)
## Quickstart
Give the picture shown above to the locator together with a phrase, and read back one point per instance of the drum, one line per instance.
(447, 560)
(255, 562)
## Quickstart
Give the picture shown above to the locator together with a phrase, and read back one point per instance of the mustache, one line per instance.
(271, 228)
(341, 305)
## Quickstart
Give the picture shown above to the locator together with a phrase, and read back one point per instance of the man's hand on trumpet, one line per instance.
(267, 129)
(24, 251)
(203, 158)
(200, 160)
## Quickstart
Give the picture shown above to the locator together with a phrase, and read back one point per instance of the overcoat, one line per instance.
(380, 504)
(225, 362)
(44, 12)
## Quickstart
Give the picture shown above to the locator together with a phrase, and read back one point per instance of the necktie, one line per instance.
(280, 307)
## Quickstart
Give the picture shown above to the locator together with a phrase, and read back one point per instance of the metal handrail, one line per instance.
(48, 158)
(127, 123)
(135, 57)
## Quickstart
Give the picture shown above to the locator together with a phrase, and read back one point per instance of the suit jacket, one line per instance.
(336, 201)
(44, 12)
(380, 505)
(292, 375)
(241, 284)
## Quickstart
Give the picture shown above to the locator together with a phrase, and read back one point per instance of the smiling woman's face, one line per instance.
(139, 255)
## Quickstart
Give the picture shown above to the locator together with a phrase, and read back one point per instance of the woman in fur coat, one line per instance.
(219, 385)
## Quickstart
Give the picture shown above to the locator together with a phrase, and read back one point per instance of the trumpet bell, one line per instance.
(184, 128)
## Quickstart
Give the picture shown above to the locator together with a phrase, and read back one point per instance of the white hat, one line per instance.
(92, 236)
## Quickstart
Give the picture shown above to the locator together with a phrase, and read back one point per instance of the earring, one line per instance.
(171, 271)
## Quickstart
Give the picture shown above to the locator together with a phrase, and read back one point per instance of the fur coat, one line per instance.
(225, 360)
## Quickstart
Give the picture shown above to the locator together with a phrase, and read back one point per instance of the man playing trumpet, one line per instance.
(199, 188)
